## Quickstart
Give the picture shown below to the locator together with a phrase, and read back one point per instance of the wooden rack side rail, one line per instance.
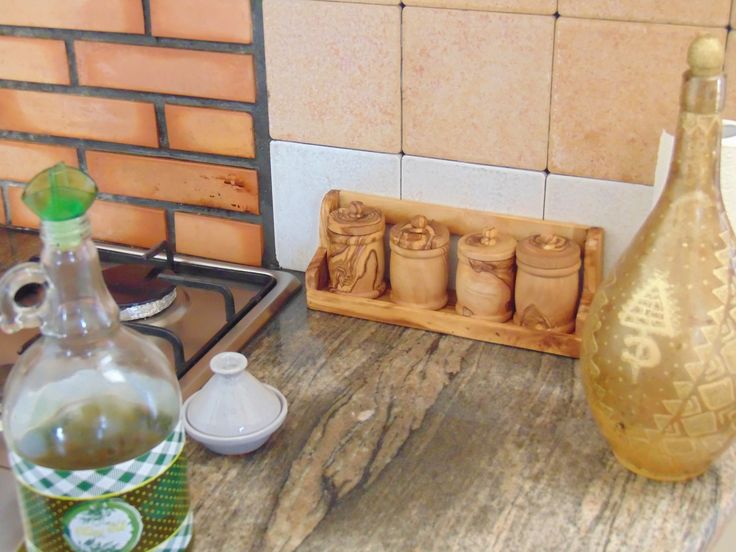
(447, 320)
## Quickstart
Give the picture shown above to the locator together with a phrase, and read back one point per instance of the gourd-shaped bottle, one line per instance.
(92, 408)
(659, 345)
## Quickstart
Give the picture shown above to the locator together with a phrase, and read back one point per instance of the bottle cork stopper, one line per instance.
(706, 56)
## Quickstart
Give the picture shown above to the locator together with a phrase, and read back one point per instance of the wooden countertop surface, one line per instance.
(403, 440)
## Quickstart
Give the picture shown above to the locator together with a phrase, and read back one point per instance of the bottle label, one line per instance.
(141, 504)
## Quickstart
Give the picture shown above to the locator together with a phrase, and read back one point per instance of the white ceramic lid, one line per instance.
(233, 402)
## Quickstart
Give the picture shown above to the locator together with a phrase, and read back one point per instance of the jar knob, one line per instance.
(356, 209)
(489, 236)
(550, 242)
(417, 234)
(419, 221)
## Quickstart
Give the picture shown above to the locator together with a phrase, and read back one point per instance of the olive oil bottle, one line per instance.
(92, 409)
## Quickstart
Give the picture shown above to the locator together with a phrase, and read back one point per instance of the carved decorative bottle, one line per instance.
(659, 345)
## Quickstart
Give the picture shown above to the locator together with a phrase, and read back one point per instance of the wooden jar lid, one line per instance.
(420, 234)
(356, 220)
(488, 245)
(548, 251)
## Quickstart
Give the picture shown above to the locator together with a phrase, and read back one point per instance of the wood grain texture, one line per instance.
(461, 221)
(478, 448)
(401, 440)
(437, 311)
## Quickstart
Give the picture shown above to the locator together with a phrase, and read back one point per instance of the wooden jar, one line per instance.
(355, 255)
(485, 275)
(419, 263)
(548, 283)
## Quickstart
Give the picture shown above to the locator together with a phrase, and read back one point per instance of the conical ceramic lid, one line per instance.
(233, 402)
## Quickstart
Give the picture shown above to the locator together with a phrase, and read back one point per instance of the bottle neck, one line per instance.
(696, 159)
(78, 302)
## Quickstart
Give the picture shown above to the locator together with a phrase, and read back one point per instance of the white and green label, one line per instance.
(135, 506)
(103, 526)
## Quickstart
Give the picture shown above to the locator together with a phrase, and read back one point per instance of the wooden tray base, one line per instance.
(447, 320)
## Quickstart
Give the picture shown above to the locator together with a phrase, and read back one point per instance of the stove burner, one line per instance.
(138, 291)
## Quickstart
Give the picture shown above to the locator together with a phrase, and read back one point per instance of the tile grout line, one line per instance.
(130, 39)
(163, 205)
(170, 217)
(551, 106)
(71, 58)
(146, 5)
(401, 100)
(6, 201)
(127, 95)
(82, 159)
(131, 149)
(263, 139)
(161, 126)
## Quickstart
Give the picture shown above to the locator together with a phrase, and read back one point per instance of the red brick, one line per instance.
(118, 16)
(217, 238)
(78, 117)
(216, 186)
(21, 161)
(226, 21)
(33, 59)
(128, 224)
(20, 215)
(210, 130)
(218, 75)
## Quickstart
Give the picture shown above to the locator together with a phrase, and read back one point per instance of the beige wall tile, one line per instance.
(686, 12)
(730, 112)
(476, 86)
(545, 7)
(616, 86)
(733, 14)
(334, 73)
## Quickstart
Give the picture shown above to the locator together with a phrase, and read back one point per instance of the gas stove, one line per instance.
(193, 308)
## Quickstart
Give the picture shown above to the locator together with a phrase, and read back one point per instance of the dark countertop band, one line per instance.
(403, 440)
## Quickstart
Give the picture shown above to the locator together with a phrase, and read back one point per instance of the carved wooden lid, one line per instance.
(420, 234)
(548, 251)
(356, 219)
(488, 245)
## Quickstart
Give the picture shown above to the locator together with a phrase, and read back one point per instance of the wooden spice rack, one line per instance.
(447, 320)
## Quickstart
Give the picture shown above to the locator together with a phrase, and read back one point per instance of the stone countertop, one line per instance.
(399, 440)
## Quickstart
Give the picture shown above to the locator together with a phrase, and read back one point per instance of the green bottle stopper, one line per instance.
(60, 193)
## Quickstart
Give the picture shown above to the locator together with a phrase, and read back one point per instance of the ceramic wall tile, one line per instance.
(333, 73)
(619, 208)
(733, 14)
(476, 86)
(616, 87)
(496, 189)
(730, 111)
(546, 7)
(301, 174)
(683, 12)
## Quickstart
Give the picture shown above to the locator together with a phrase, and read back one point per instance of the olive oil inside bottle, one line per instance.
(94, 434)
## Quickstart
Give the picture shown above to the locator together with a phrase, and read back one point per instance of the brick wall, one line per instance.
(162, 101)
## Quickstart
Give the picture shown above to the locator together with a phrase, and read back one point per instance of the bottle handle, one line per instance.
(15, 317)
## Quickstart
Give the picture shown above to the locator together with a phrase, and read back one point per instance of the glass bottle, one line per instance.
(92, 408)
(659, 346)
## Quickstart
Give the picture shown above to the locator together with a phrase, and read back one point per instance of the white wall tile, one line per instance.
(301, 174)
(482, 187)
(617, 207)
